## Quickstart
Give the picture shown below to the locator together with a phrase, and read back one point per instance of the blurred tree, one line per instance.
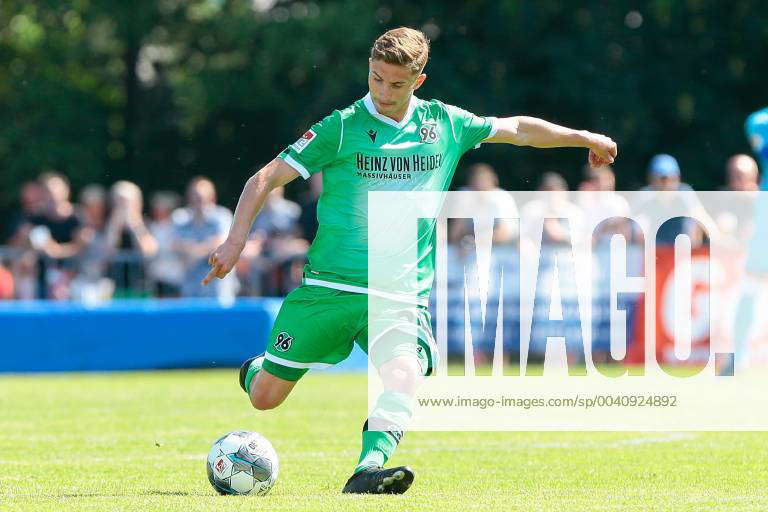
(157, 91)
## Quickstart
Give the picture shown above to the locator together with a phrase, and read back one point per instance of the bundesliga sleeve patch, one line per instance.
(304, 141)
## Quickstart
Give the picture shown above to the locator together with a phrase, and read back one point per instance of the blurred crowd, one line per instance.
(107, 244)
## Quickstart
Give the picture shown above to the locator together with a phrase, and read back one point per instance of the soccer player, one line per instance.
(388, 140)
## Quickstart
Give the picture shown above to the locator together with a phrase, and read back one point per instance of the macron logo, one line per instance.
(304, 141)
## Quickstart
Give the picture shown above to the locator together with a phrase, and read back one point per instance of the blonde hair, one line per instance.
(403, 47)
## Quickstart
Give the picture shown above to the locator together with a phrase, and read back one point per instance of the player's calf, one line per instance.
(266, 391)
(384, 429)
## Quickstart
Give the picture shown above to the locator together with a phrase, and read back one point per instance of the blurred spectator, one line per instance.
(276, 247)
(734, 214)
(664, 175)
(560, 221)
(486, 201)
(32, 200)
(201, 227)
(742, 173)
(165, 269)
(23, 266)
(24, 263)
(128, 240)
(669, 201)
(55, 235)
(92, 207)
(601, 205)
(308, 203)
(90, 283)
(277, 222)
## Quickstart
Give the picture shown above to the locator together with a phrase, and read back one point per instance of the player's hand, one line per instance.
(602, 150)
(223, 259)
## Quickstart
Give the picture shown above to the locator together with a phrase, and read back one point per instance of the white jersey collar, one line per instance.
(368, 102)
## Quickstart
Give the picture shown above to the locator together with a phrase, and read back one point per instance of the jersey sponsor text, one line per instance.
(398, 164)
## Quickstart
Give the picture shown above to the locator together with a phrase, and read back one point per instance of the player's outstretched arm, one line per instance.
(531, 131)
(275, 174)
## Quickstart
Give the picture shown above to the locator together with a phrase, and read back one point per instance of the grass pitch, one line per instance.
(138, 442)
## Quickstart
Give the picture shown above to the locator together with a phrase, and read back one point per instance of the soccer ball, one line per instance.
(242, 462)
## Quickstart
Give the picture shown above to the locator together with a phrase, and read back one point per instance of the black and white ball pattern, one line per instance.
(242, 462)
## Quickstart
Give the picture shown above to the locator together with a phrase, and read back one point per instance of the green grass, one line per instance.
(139, 441)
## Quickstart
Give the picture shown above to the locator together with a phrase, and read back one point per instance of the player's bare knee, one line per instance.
(401, 373)
(263, 401)
(263, 397)
(268, 391)
(264, 404)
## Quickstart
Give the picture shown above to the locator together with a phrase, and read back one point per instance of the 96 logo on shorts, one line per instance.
(283, 342)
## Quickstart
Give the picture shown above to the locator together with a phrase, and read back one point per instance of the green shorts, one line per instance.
(317, 328)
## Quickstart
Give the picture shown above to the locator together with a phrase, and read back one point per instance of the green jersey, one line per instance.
(359, 150)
